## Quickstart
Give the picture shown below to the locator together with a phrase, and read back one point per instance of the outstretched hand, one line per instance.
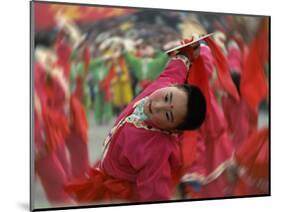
(192, 51)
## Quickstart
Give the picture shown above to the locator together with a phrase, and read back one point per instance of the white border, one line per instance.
(14, 113)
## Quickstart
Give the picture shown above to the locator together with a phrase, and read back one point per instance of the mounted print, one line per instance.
(139, 105)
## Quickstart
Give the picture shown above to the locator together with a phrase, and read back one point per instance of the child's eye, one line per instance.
(167, 116)
(166, 98)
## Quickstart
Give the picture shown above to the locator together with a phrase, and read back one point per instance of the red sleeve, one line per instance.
(63, 51)
(174, 73)
(254, 83)
(222, 69)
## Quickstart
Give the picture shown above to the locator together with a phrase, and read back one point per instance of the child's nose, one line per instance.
(163, 107)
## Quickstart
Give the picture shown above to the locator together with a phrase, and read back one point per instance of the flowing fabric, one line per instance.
(52, 100)
(254, 86)
(222, 69)
(213, 150)
(102, 188)
(56, 128)
(51, 129)
(241, 120)
(253, 165)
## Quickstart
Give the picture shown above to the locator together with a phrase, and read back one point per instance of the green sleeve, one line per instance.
(158, 64)
(95, 63)
(134, 63)
(79, 69)
(98, 70)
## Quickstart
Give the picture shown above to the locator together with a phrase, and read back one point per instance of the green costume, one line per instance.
(146, 70)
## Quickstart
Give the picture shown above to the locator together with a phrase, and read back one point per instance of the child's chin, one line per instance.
(151, 123)
(159, 126)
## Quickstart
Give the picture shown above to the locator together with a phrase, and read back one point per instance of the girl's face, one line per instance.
(166, 107)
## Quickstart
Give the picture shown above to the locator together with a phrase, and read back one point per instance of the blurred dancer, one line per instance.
(77, 139)
(241, 119)
(60, 111)
(251, 156)
(51, 128)
(251, 84)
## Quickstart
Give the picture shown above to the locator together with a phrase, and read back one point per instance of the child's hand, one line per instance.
(191, 51)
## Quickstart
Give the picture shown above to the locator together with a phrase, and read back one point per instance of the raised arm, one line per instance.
(181, 60)
(175, 72)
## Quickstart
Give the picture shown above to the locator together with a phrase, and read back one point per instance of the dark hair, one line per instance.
(236, 79)
(196, 107)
